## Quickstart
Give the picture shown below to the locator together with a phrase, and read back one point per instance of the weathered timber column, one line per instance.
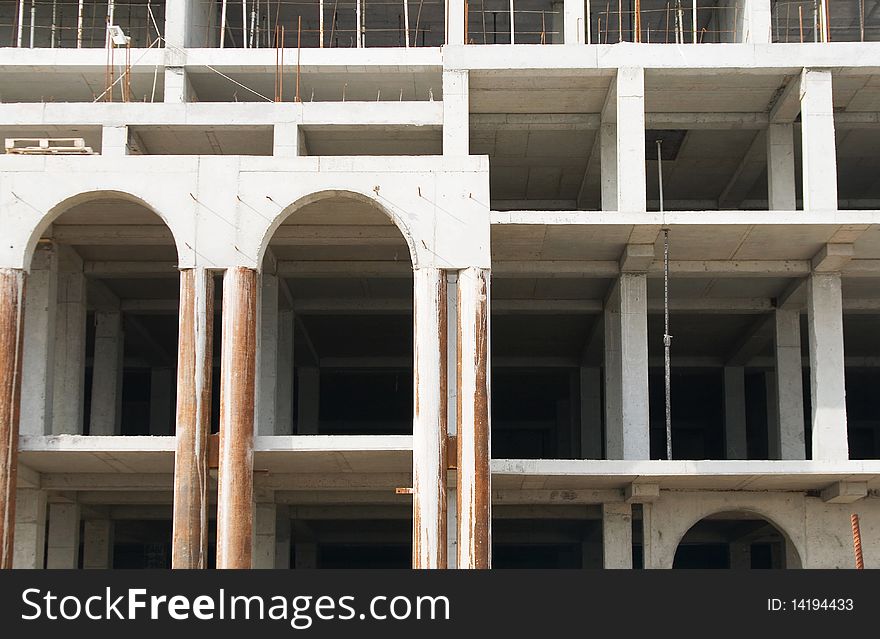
(235, 496)
(12, 283)
(194, 354)
(473, 500)
(429, 418)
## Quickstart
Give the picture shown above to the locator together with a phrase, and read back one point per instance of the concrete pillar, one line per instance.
(735, 413)
(455, 11)
(817, 141)
(30, 529)
(283, 536)
(284, 375)
(456, 117)
(828, 392)
(473, 502)
(97, 544)
(781, 191)
(106, 404)
(161, 402)
(305, 555)
(608, 164)
(789, 386)
(70, 345)
(630, 116)
(264, 536)
(267, 355)
(627, 433)
(773, 434)
(63, 547)
(429, 418)
(574, 23)
(194, 366)
(617, 535)
(235, 480)
(740, 555)
(756, 22)
(114, 140)
(286, 143)
(308, 399)
(178, 89)
(12, 302)
(38, 365)
(591, 412)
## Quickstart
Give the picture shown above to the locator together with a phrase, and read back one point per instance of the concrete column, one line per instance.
(456, 117)
(627, 433)
(608, 164)
(176, 23)
(781, 192)
(283, 536)
(178, 89)
(106, 404)
(114, 140)
(30, 529)
(756, 22)
(161, 394)
(591, 413)
(455, 10)
(828, 392)
(235, 480)
(70, 345)
(473, 501)
(574, 23)
(284, 375)
(267, 355)
(773, 434)
(63, 547)
(617, 535)
(308, 399)
(286, 143)
(194, 366)
(264, 536)
(429, 418)
(740, 555)
(735, 413)
(789, 386)
(305, 555)
(38, 365)
(12, 301)
(817, 141)
(98, 544)
(631, 178)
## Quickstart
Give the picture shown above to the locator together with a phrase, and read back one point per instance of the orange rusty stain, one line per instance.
(12, 291)
(451, 452)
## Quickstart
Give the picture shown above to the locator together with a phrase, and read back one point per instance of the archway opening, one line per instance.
(735, 539)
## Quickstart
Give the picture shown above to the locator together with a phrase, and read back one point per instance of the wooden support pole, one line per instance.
(429, 418)
(235, 490)
(12, 284)
(473, 503)
(194, 363)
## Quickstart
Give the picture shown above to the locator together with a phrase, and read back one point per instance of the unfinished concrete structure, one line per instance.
(257, 323)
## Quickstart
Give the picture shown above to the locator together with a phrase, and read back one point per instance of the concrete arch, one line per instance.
(327, 194)
(70, 201)
(792, 549)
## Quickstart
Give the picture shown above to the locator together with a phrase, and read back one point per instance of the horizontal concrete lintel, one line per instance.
(845, 492)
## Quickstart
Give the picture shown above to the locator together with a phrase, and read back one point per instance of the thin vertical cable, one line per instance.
(667, 338)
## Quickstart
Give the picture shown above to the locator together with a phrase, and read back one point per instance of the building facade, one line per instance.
(388, 284)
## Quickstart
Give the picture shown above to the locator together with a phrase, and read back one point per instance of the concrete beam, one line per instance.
(845, 492)
(832, 258)
(641, 493)
(636, 258)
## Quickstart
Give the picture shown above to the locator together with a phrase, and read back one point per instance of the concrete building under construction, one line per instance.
(364, 283)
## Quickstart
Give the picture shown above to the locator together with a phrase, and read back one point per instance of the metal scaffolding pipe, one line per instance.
(33, 21)
(358, 19)
(244, 41)
(235, 480)
(406, 22)
(20, 23)
(429, 418)
(12, 291)
(222, 24)
(79, 25)
(473, 503)
(194, 364)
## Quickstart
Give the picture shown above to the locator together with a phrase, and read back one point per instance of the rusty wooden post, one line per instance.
(429, 418)
(12, 283)
(474, 506)
(194, 364)
(235, 478)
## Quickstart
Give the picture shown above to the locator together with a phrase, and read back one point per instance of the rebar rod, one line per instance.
(857, 541)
